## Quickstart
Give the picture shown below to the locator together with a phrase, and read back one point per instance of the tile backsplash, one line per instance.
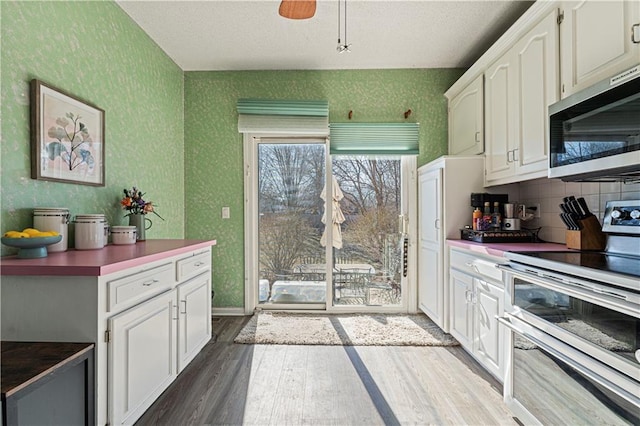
(549, 193)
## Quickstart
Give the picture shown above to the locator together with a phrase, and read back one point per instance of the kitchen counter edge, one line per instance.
(111, 258)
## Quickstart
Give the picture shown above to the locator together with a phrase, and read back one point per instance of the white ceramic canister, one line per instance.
(90, 229)
(123, 234)
(53, 219)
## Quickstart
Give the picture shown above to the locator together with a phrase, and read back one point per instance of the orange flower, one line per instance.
(126, 202)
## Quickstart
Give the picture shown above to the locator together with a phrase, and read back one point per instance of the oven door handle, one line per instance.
(551, 278)
(506, 321)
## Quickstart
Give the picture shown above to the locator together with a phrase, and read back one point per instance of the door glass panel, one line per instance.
(292, 262)
(367, 242)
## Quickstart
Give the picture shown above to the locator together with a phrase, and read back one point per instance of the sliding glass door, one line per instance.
(291, 259)
(335, 241)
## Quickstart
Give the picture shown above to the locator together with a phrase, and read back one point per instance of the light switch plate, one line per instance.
(225, 213)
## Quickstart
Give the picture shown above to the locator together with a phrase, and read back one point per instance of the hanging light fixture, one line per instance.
(343, 47)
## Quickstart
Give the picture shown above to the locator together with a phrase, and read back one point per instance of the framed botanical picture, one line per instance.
(67, 137)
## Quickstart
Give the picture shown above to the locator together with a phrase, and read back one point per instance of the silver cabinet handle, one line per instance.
(436, 223)
(635, 33)
(477, 137)
(514, 155)
(184, 306)
(508, 159)
(148, 283)
(176, 317)
(198, 264)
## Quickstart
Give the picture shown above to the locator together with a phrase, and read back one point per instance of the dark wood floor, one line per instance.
(233, 384)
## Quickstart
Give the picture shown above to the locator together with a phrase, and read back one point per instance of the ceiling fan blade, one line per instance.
(297, 9)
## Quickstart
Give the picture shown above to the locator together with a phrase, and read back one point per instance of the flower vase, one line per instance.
(140, 222)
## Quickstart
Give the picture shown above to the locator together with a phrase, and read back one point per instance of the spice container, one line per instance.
(90, 231)
(53, 219)
(123, 234)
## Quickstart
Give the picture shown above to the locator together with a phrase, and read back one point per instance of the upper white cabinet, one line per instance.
(466, 120)
(555, 49)
(520, 86)
(598, 39)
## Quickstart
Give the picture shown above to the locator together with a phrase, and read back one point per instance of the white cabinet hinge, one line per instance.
(107, 336)
(560, 17)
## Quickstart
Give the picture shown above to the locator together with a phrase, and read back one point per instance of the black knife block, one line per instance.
(589, 237)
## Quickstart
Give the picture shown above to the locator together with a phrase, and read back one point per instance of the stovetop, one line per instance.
(603, 267)
(603, 261)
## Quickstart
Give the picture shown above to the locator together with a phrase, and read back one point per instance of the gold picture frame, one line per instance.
(67, 137)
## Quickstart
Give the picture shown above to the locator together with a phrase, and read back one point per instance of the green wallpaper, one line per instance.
(213, 146)
(94, 51)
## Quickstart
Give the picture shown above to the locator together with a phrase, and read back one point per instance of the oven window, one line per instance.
(555, 393)
(611, 330)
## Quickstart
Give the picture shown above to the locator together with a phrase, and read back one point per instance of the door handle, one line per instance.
(436, 223)
(635, 33)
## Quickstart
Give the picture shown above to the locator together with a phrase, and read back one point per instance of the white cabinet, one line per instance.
(194, 324)
(444, 188)
(430, 297)
(142, 356)
(598, 40)
(147, 318)
(461, 307)
(466, 120)
(477, 298)
(519, 87)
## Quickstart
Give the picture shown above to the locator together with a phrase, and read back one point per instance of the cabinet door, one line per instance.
(142, 356)
(500, 117)
(194, 330)
(430, 286)
(461, 322)
(430, 283)
(466, 121)
(488, 344)
(538, 75)
(596, 41)
(429, 207)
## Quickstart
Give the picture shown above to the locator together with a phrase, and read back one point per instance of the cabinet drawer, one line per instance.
(132, 289)
(193, 265)
(475, 265)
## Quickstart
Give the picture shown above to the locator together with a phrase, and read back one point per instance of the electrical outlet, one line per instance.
(225, 213)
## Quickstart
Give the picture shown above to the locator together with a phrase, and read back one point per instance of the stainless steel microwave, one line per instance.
(595, 134)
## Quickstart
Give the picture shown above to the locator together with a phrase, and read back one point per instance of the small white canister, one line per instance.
(53, 219)
(123, 234)
(90, 231)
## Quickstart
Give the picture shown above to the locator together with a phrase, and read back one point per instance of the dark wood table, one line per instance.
(47, 383)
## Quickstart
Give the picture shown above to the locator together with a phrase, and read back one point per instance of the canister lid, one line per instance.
(50, 210)
(90, 218)
(123, 229)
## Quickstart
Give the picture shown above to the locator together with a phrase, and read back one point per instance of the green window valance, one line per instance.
(283, 117)
(374, 138)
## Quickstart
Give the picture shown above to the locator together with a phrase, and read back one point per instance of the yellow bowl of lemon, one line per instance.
(30, 242)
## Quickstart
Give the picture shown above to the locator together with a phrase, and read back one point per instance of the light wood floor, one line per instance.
(234, 384)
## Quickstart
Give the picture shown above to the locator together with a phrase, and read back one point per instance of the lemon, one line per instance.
(16, 234)
(42, 234)
(30, 231)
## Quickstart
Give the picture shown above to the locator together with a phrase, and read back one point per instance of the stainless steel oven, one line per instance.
(574, 342)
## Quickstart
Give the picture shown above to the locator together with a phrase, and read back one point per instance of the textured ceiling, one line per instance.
(250, 35)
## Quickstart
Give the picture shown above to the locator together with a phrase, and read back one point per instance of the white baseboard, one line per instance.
(227, 312)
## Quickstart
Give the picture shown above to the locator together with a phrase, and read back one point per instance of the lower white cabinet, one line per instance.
(477, 298)
(142, 356)
(148, 320)
(194, 318)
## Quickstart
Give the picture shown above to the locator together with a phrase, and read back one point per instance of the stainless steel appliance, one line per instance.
(574, 316)
(595, 134)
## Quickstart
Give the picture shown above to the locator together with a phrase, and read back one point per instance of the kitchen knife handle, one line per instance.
(585, 208)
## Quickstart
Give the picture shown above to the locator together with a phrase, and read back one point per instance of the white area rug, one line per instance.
(281, 328)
